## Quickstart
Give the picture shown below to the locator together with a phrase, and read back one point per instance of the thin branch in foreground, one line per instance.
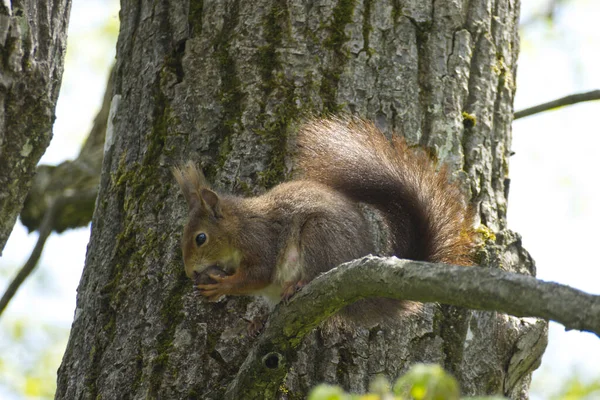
(563, 101)
(470, 287)
(45, 229)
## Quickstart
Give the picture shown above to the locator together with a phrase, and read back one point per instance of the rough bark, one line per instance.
(222, 83)
(33, 37)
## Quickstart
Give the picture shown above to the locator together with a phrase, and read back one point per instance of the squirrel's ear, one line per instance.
(212, 202)
(191, 180)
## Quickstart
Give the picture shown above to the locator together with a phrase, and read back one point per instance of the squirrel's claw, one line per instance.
(290, 289)
(214, 291)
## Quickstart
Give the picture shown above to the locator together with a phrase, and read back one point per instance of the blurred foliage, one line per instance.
(544, 12)
(431, 382)
(575, 389)
(30, 351)
(427, 382)
(421, 382)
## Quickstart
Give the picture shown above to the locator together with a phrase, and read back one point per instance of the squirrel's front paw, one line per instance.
(214, 291)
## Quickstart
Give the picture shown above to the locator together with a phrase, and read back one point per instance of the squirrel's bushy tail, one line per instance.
(428, 216)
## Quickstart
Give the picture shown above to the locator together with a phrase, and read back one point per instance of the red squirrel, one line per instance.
(275, 243)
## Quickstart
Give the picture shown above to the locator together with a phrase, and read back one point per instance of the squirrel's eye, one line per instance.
(200, 239)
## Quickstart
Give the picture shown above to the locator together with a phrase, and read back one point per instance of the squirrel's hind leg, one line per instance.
(290, 271)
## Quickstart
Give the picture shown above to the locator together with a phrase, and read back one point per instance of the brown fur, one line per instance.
(428, 215)
(289, 235)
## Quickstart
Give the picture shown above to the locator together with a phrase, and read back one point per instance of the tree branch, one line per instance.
(563, 101)
(475, 288)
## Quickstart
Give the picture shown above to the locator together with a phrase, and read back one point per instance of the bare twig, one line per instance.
(45, 229)
(474, 287)
(563, 101)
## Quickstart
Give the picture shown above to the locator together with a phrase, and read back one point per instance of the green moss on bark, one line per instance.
(396, 10)
(171, 315)
(469, 120)
(275, 133)
(139, 189)
(274, 24)
(367, 28)
(230, 94)
(343, 14)
(278, 94)
(195, 13)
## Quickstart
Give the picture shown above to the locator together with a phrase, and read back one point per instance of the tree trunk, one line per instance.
(222, 83)
(33, 36)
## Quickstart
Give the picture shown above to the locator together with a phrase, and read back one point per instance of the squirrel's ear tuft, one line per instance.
(212, 202)
(192, 181)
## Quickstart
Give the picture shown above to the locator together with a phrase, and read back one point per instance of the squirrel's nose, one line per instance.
(189, 271)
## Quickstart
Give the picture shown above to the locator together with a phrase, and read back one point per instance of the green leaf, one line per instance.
(427, 382)
(327, 392)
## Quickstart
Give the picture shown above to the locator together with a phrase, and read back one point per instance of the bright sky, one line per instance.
(553, 197)
(554, 193)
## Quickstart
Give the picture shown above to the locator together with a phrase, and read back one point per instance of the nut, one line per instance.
(202, 278)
